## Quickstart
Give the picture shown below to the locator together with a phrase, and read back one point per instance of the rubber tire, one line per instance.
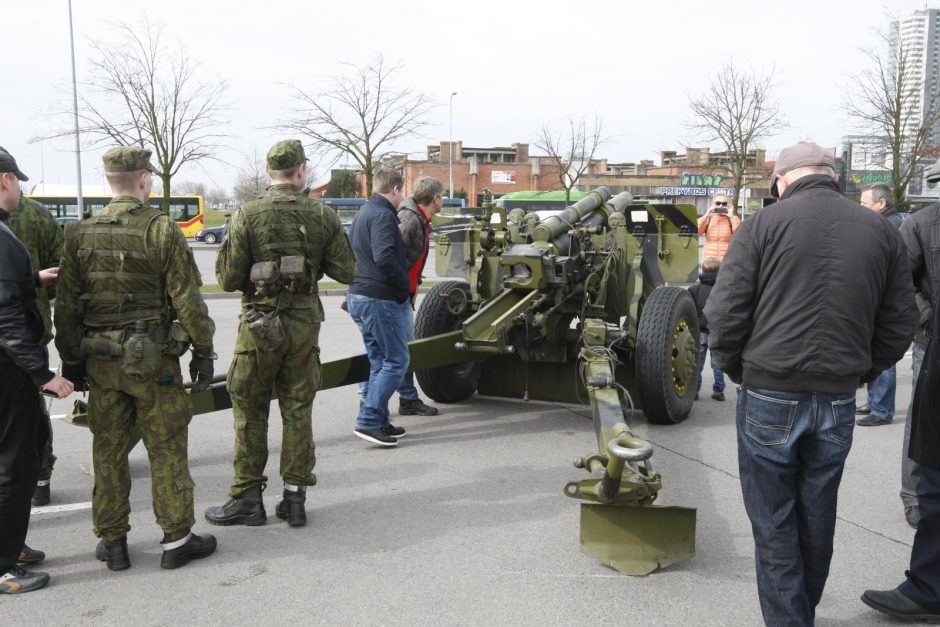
(663, 310)
(447, 384)
(210, 238)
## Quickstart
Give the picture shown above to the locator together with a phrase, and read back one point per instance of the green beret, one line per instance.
(127, 159)
(286, 154)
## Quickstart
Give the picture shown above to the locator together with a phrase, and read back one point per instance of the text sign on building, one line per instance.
(696, 191)
(503, 176)
(700, 180)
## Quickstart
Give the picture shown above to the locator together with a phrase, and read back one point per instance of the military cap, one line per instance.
(8, 164)
(286, 154)
(127, 159)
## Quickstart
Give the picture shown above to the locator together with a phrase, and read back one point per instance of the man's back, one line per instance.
(380, 252)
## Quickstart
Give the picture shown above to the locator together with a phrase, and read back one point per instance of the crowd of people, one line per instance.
(799, 305)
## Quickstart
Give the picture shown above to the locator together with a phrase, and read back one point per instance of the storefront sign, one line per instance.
(503, 176)
(696, 191)
(700, 180)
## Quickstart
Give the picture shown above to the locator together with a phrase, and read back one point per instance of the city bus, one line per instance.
(188, 211)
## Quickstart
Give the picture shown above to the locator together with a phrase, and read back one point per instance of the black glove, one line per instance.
(201, 370)
(76, 372)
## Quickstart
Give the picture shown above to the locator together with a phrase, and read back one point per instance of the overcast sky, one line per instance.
(514, 65)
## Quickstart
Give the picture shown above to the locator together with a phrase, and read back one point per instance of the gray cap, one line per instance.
(801, 155)
(8, 164)
(932, 174)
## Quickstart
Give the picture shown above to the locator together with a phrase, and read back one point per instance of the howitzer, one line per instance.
(575, 308)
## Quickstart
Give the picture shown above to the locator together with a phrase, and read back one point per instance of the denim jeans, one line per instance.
(791, 451)
(385, 326)
(881, 394)
(910, 470)
(407, 389)
(719, 384)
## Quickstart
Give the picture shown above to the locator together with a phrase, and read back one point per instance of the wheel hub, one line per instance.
(684, 356)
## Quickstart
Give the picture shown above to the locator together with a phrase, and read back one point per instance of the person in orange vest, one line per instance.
(718, 225)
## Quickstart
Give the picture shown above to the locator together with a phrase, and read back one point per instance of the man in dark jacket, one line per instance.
(24, 368)
(921, 234)
(414, 216)
(879, 409)
(814, 297)
(700, 292)
(918, 597)
(379, 304)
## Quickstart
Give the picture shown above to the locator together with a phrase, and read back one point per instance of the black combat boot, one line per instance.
(114, 554)
(191, 547)
(238, 512)
(41, 493)
(291, 507)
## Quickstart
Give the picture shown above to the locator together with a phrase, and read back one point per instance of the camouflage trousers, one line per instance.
(48, 459)
(121, 408)
(292, 373)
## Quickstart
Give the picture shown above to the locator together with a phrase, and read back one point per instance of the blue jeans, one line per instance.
(407, 389)
(385, 326)
(719, 384)
(881, 394)
(791, 451)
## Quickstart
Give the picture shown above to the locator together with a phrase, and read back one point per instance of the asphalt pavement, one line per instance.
(464, 523)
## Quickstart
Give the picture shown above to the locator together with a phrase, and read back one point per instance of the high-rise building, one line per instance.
(918, 35)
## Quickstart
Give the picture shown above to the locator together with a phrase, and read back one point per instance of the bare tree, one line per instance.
(252, 179)
(359, 115)
(217, 197)
(891, 104)
(189, 188)
(145, 93)
(737, 111)
(572, 149)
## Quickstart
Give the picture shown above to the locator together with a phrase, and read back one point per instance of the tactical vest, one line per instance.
(120, 283)
(282, 224)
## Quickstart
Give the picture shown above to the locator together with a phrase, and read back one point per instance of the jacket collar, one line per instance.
(708, 278)
(813, 181)
(381, 201)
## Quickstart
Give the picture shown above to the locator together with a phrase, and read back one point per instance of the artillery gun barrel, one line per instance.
(561, 223)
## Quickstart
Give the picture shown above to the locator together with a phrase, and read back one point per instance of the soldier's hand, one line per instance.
(76, 372)
(59, 386)
(48, 277)
(201, 370)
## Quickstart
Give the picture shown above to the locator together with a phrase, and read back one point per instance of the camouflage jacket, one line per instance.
(34, 225)
(282, 222)
(171, 259)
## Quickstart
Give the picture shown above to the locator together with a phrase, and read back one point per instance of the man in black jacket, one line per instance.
(379, 303)
(918, 597)
(921, 234)
(814, 297)
(700, 292)
(24, 368)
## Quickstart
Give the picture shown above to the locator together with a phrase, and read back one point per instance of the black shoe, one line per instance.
(114, 554)
(376, 436)
(195, 548)
(895, 603)
(696, 397)
(291, 507)
(863, 410)
(872, 421)
(393, 431)
(41, 494)
(20, 580)
(912, 515)
(718, 396)
(238, 512)
(30, 556)
(415, 407)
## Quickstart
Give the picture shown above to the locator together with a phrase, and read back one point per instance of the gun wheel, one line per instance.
(436, 315)
(667, 355)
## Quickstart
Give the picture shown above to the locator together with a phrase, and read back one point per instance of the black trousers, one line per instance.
(23, 435)
(923, 578)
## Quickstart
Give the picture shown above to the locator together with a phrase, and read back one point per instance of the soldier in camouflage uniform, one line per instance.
(128, 302)
(277, 248)
(40, 233)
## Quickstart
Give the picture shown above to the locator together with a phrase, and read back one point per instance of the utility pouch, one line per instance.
(177, 341)
(265, 329)
(103, 345)
(265, 275)
(294, 274)
(141, 355)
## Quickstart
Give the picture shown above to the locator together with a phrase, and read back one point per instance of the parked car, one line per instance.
(211, 235)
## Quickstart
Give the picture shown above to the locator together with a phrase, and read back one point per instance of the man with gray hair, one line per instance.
(414, 216)
(879, 409)
(814, 297)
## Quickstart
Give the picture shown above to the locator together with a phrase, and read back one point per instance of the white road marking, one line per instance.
(53, 509)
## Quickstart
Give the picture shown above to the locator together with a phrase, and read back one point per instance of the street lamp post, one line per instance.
(450, 141)
(78, 144)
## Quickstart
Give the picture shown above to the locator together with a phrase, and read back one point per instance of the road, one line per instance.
(463, 524)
